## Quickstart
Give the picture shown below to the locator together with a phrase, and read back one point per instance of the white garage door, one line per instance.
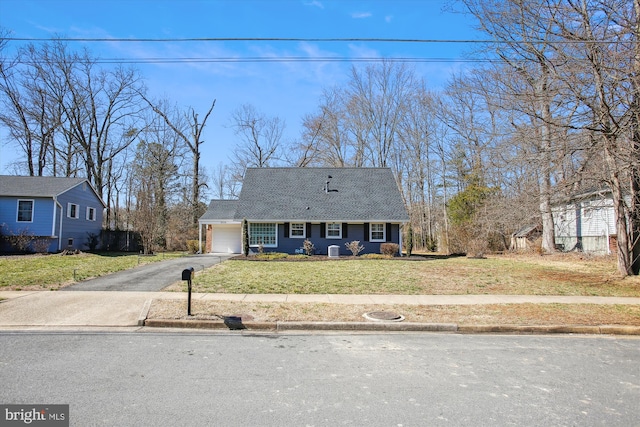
(226, 238)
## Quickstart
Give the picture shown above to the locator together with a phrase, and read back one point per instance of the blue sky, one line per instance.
(288, 90)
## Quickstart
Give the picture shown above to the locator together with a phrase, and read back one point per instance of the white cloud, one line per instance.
(361, 15)
(362, 51)
(388, 18)
(315, 3)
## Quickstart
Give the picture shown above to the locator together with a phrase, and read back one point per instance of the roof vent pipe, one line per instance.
(326, 188)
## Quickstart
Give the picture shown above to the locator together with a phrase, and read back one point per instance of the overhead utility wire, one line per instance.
(279, 59)
(302, 39)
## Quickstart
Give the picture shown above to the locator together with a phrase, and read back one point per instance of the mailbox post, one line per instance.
(187, 274)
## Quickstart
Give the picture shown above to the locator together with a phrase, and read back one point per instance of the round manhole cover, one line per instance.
(384, 316)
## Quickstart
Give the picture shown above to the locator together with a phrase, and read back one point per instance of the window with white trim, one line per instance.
(297, 230)
(377, 233)
(334, 230)
(91, 214)
(73, 210)
(25, 211)
(264, 234)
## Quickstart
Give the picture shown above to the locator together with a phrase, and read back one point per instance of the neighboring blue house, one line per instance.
(328, 206)
(64, 211)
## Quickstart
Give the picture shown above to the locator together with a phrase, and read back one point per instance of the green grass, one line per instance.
(52, 271)
(509, 275)
(344, 277)
(452, 276)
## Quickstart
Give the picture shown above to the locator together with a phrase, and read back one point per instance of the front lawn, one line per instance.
(37, 272)
(508, 275)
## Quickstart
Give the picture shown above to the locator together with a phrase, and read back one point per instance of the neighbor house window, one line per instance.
(334, 230)
(73, 211)
(91, 214)
(262, 234)
(25, 210)
(297, 230)
(377, 233)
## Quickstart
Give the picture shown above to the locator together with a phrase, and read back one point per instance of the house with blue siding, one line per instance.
(328, 206)
(59, 213)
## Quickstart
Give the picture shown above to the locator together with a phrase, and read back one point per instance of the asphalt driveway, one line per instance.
(150, 277)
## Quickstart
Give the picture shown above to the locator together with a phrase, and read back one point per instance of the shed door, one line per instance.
(226, 238)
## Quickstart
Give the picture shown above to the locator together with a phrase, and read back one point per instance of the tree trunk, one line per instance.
(634, 217)
(624, 254)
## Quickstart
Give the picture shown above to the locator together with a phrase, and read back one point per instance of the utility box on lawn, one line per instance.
(334, 251)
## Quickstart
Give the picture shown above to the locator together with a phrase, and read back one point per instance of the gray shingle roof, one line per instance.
(36, 186)
(221, 210)
(298, 194)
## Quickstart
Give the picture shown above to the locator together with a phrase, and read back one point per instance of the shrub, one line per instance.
(20, 241)
(41, 244)
(272, 255)
(389, 249)
(374, 256)
(476, 248)
(355, 247)
(193, 246)
(308, 247)
(92, 241)
(245, 237)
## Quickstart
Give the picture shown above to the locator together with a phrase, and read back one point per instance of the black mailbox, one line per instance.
(187, 273)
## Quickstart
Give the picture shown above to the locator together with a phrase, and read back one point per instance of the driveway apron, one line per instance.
(150, 277)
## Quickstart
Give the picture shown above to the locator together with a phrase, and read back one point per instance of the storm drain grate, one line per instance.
(383, 316)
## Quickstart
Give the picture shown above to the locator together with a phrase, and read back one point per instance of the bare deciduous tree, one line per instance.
(188, 127)
(260, 137)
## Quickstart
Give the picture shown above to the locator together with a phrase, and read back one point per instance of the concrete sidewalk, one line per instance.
(108, 309)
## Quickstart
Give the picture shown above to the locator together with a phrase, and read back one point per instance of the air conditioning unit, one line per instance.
(334, 251)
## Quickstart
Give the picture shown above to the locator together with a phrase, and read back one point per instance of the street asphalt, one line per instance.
(122, 300)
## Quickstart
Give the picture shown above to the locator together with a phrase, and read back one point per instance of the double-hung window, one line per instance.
(264, 234)
(25, 211)
(297, 230)
(377, 232)
(334, 230)
(91, 214)
(73, 210)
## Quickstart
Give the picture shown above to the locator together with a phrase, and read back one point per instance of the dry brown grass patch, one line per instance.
(508, 314)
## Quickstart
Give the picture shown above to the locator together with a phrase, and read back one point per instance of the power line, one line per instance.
(305, 39)
(280, 60)
(248, 39)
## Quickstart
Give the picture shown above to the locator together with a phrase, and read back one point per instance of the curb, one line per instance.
(396, 327)
(367, 326)
(145, 312)
(206, 324)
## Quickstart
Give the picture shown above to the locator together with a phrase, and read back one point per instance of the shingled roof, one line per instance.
(221, 210)
(301, 194)
(36, 186)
